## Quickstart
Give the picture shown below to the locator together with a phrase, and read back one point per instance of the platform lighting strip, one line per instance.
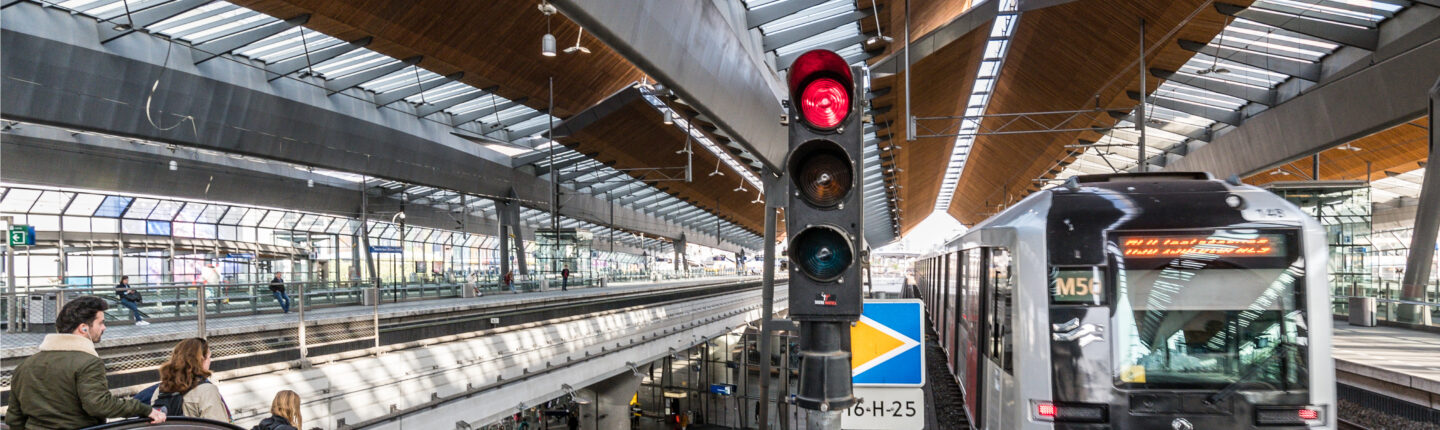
(985, 78)
(699, 136)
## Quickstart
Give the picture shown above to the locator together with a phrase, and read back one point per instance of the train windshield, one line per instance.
(1207, 309)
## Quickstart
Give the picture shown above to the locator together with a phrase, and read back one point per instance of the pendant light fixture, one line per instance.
(547, 43)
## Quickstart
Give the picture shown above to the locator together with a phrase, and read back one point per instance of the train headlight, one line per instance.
(1235, 201)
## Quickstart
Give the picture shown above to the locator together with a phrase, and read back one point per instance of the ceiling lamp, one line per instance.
(1213, 69)
(547, 43)
(669, 117)
(1347, 147)
(577, 47)
(879, 40)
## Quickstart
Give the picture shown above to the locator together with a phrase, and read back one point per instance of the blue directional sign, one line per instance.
(723, 389)
(384, 250)
(888, 344)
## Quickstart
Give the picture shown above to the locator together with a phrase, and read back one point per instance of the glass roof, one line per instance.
(1247, 59)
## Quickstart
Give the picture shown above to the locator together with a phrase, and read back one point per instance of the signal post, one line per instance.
(825, 227)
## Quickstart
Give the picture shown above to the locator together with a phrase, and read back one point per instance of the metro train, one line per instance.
(1138, 301)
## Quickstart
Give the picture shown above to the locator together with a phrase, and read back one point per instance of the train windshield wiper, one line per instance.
(1249, 374)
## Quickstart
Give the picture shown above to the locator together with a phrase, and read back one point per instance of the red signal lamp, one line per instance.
(1309, 414)
(1046, 410)
(820, 86)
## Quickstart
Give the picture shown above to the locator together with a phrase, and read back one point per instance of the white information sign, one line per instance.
(884, 408)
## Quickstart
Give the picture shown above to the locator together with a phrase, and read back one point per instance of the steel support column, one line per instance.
(1427, 223)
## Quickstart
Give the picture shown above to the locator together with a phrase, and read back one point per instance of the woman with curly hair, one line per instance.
(185, 374)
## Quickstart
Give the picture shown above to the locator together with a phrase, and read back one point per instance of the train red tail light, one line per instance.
(1290, 415)
(820, 85)
(1072, 412)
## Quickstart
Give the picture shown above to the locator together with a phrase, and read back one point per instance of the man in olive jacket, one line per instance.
(63, 386)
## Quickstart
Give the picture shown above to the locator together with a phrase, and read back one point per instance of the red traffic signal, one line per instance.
(820, 86)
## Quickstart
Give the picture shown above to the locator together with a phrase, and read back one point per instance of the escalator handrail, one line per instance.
(145, 423)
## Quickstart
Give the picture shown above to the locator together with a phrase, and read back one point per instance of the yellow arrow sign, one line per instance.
(871, 343)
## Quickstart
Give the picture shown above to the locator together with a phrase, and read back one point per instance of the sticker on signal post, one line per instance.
(886, 408)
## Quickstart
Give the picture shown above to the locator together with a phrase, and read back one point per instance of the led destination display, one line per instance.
(1158, 246)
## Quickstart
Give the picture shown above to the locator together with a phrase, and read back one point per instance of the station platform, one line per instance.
(125, 334)
(1393, 361)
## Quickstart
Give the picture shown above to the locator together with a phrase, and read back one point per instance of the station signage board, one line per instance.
(22, 235)
(885, 408)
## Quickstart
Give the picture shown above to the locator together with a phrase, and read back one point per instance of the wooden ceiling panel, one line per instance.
(1398, 149)
(925, 16)
(940, 87)
(1078, 55)
(635, 136)
(495, 42)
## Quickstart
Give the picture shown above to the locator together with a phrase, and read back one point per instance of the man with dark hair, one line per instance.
(277, 289)
(125, 292)
(565, 279)
(63, 386)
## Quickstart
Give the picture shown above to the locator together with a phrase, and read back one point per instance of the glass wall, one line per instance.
(94, 238)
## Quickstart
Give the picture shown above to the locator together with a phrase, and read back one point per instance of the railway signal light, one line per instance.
(825, 208)
(824, 223)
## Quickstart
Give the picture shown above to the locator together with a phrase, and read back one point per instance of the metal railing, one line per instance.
(1387, 309)
(167, 302)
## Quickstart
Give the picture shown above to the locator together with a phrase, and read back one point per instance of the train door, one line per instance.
(941, 327)
(999, 377)
(957, 321)
(972, 319)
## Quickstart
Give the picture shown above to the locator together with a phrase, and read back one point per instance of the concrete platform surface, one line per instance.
(1406, 362)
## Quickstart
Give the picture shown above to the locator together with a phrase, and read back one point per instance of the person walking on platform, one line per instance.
(64, 385)
(130, 299)
(510, 281)
(284, 413)
(184, 389)
(565, 279)
(277, 288)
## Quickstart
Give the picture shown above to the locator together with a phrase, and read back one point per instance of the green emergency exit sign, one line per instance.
(22, 235)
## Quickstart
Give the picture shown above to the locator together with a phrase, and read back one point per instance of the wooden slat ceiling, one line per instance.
(925, 17)
(940, 87)
(1398, 149)
(1066, 57)
(635, 136)
(495, 42)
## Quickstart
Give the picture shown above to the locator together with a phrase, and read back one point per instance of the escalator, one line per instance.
(172, 423)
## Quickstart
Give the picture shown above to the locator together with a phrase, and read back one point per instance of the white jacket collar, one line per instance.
(68, 342)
